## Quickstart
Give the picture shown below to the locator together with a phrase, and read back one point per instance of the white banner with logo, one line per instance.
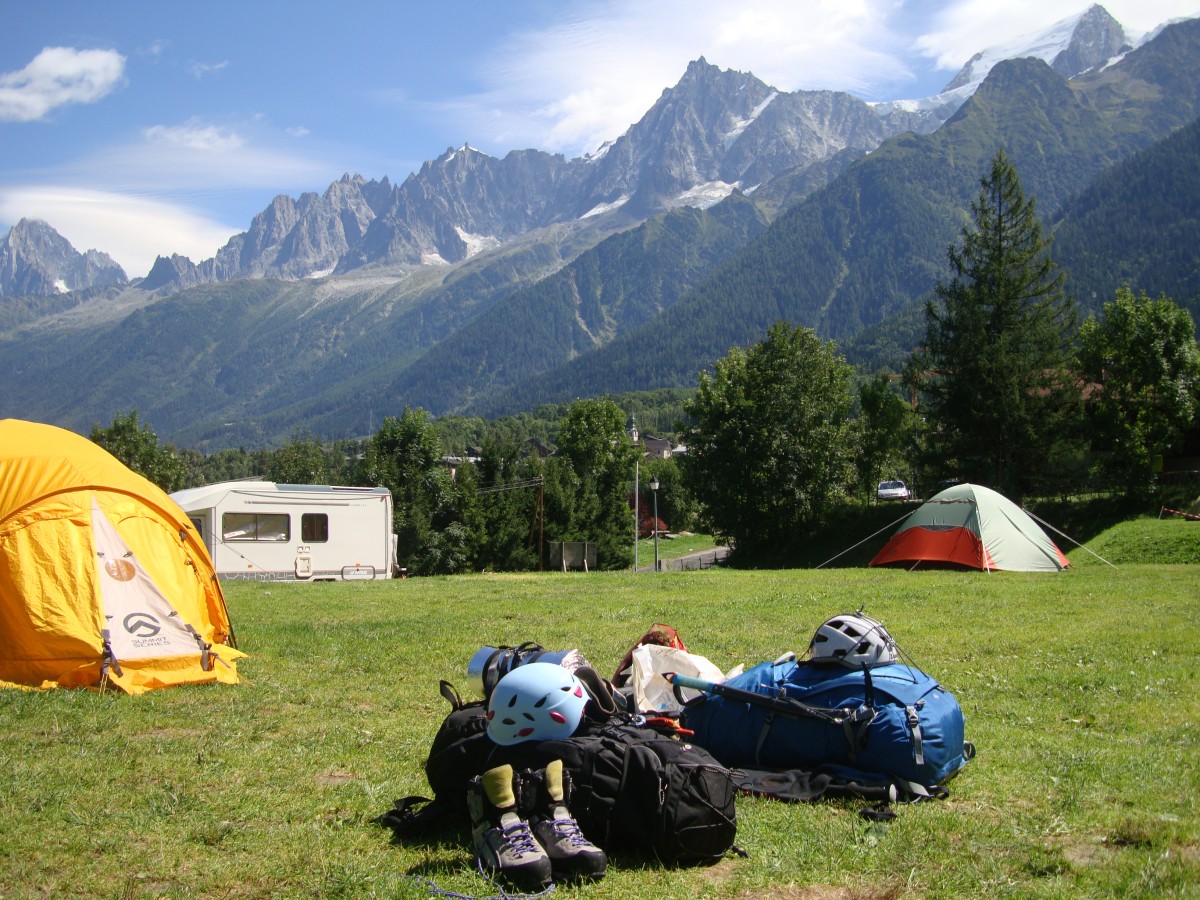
(141, 621)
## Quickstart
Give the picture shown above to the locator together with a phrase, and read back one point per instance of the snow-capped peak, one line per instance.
(1045, 45)
(1072, 45)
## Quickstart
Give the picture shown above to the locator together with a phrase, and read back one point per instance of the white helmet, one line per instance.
(854, 640)
(536, 702)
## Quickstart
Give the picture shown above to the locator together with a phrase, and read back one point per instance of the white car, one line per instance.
(892, 490)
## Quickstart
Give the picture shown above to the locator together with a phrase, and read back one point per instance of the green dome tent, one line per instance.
(973, 527)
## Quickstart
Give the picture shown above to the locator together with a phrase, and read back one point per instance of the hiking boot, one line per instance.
(504, 844)
(571, 854)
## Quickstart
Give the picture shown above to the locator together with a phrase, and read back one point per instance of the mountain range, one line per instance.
(485, 286)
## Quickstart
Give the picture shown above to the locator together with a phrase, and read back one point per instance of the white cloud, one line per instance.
(195, 135)
(587, 77)
(154, 50)
(132, 230)
(138, 200)
(56, 77)
(201, 70)
(198, 155)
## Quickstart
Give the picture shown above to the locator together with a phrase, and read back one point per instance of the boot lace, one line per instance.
(568, 830)
(519, 839)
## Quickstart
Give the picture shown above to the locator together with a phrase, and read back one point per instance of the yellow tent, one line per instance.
(102, 577)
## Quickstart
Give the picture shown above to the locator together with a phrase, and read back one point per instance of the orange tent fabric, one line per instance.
(103, 580)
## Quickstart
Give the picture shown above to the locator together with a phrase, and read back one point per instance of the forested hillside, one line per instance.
(1138, 224)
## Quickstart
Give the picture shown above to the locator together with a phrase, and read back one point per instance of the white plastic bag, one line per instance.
(652, 693)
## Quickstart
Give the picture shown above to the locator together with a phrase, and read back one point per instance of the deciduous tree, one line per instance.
(772, 446)
(1142, 357)
(405, 457)
(300, 461)
(887, 430)
(137, 446)
(593, 444)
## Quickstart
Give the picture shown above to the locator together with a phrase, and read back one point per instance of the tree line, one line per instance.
(1008, 389)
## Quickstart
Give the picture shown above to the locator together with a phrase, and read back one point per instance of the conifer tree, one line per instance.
(999, 395)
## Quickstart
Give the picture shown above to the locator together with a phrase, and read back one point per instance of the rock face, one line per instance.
(1095, 40)
(36, 260)
(714, 132)
(175, 273)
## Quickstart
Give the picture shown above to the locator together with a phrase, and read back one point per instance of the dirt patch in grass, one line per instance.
(721, 871)
(333, 778)
(1189, 853)
(1082, 852)
(726, 868)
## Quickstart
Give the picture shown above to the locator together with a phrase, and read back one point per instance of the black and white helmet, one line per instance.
(854, 640)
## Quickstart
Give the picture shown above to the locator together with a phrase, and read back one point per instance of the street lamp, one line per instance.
(637, 493)
(654, 490)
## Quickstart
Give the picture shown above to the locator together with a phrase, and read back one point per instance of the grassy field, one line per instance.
(1079, 691)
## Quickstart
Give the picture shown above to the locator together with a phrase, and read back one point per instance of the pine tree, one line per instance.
(994, 368)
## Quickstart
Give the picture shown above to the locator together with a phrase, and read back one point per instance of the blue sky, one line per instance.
(154, 127)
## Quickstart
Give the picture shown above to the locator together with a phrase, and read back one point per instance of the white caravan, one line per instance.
(259, 530)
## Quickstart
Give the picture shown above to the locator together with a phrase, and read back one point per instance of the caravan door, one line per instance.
(200, 523)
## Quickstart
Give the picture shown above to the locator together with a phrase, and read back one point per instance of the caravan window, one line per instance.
(314, 528)
(255, 527)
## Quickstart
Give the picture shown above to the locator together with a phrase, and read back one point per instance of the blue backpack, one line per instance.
(887, 724)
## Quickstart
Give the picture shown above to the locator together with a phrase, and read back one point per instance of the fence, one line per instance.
(695, 561)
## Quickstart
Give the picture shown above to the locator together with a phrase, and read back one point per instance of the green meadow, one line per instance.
(1079, 688)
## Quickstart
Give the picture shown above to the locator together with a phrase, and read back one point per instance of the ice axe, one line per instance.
(851, 719)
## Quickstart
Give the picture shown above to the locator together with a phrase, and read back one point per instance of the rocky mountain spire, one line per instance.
(36, 260)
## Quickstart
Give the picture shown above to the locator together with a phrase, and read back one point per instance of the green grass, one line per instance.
(1144, 540)
(1079, 690)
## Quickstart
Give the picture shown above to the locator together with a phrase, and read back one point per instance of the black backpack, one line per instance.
(635, 789)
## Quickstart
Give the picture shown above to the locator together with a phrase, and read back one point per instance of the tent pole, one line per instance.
(1068, 537)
